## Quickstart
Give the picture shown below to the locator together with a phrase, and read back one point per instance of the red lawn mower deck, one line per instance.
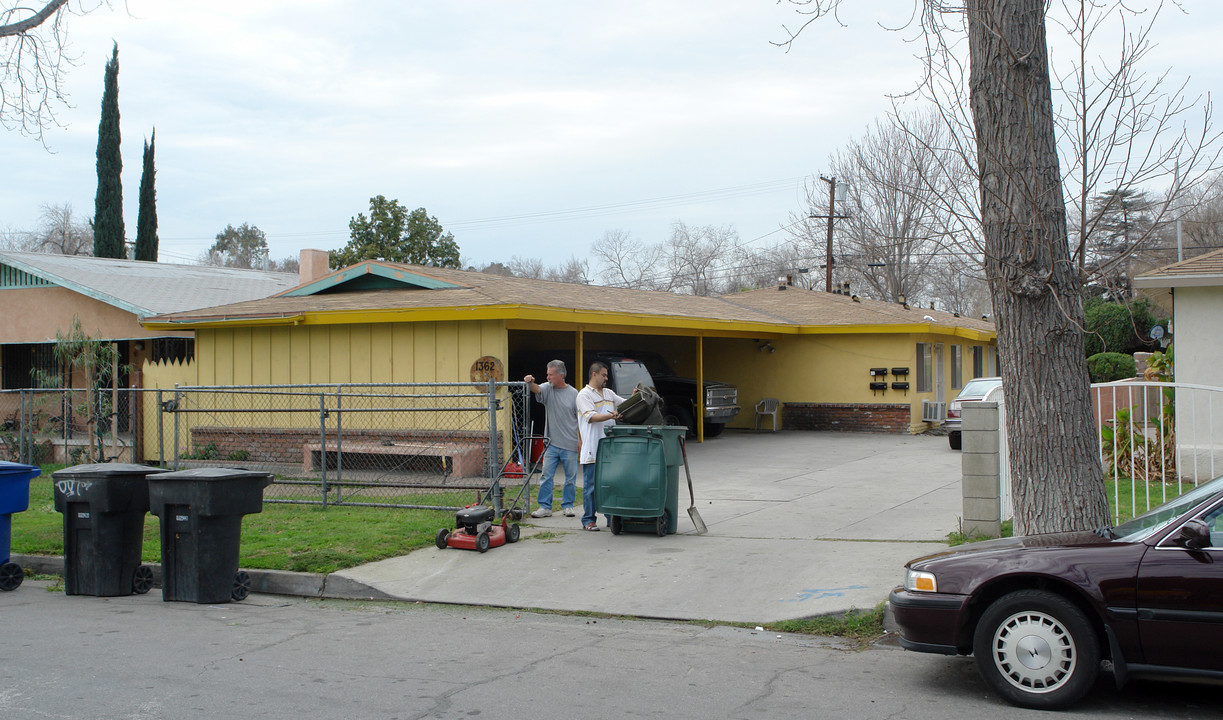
(475, 530)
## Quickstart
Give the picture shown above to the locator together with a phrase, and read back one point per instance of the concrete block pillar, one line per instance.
(979, 468)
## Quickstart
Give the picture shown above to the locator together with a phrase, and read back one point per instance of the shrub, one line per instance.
(1117, 327)
(1109, 366)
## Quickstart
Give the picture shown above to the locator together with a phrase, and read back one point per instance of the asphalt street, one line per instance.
(137, 657)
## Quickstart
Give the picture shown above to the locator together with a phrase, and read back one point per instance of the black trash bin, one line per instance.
(104, 506)
(201, 525)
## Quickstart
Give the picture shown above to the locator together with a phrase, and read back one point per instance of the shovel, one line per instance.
(692, 513)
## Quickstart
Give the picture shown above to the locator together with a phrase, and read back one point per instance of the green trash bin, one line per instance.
(637, 477)
(201, 527)
(14, 498)
(104, 505)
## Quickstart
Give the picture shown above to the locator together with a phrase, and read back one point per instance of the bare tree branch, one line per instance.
(33, 43)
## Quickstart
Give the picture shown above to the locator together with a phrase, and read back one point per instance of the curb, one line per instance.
(267, 582)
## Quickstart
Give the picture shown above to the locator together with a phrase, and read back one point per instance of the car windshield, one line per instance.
(980, 386)
(627, 375)
(1147, 523)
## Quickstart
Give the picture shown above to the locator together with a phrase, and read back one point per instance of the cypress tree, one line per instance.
(108, 232)
(146, 221)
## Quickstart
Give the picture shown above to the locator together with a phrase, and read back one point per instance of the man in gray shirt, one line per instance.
(561, 429)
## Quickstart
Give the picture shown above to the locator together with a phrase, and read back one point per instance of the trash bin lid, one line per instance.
(107, 470)
(212, 473)
(12, 468)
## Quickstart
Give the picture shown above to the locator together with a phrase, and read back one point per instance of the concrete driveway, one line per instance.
(800, 524)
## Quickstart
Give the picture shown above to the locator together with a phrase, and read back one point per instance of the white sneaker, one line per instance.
(543, 512)
(568, 512)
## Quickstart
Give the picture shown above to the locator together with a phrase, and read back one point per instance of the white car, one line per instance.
(974, 391)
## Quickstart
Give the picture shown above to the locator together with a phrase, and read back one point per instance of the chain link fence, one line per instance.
(437, 446)
(68, 426)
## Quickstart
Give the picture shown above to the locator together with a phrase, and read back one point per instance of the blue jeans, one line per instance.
(554, 456)
(588, 495)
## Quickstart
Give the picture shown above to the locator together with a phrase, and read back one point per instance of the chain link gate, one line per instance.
(437, 446)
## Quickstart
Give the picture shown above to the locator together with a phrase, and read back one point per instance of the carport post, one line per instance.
(700, 388)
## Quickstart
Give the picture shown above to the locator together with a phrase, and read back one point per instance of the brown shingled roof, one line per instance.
(1202, 270)
(792, 307)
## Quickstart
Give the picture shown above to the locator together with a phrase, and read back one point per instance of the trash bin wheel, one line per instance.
(242, 586)
(663, 521)
(482, 542)
(442, 536)
(142, 579)
(617, 525)
(11, 576)
(512, 533)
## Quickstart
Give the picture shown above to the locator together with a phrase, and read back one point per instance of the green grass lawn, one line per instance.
(305, 538)
(1123, 498)
(1122, 504)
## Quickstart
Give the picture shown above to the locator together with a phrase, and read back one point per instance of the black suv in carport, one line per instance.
(626, 370)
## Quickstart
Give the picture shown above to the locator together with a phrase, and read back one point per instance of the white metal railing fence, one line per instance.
(1156, 439)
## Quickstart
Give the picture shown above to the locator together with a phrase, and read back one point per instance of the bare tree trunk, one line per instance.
(1036, 290)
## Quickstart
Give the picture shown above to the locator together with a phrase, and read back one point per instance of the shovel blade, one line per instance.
(696, 520)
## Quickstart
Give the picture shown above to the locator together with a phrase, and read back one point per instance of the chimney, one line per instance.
(311, 265)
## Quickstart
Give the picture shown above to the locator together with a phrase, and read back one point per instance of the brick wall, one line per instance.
(846, 417)
(284, 445)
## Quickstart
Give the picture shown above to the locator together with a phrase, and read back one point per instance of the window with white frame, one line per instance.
(978, 361)
(957, 366)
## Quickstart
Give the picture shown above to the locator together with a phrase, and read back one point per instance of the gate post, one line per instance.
(979, 469)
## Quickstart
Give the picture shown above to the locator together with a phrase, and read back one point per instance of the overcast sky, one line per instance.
(527, 128)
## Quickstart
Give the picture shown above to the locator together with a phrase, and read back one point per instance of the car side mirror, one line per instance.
(1194, 535)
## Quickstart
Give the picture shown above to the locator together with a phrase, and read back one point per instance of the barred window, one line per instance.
(22, 362)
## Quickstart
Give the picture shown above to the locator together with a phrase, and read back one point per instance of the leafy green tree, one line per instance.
(1119, 327)
(146, 221)
(108, 232)
(95, 362)
(238, 247)
(393, 234)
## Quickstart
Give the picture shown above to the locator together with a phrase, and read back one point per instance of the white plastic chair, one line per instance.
(767, 406)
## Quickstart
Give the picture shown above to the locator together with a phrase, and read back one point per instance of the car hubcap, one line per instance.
(1034, 652)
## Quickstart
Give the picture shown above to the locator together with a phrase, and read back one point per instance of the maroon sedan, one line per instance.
(1039, 613)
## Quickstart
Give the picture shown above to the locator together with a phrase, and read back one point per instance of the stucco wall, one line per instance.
(1199, 344)
(33, 315)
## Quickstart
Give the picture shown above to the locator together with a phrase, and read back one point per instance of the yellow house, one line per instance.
(378, 322)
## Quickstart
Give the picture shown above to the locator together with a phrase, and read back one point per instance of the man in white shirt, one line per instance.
(596, 408)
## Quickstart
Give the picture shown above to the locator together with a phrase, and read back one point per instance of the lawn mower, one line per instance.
(475, 526)
(475, 530)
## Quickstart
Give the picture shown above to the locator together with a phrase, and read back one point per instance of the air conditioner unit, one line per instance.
(933, 412)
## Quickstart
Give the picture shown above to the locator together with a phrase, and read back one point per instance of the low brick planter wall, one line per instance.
(284, 445)
(846, 417)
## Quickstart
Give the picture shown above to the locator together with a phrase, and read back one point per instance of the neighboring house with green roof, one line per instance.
(41, 295)
(378, 322)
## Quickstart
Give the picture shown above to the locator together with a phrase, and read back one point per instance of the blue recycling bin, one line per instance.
(14, 498)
